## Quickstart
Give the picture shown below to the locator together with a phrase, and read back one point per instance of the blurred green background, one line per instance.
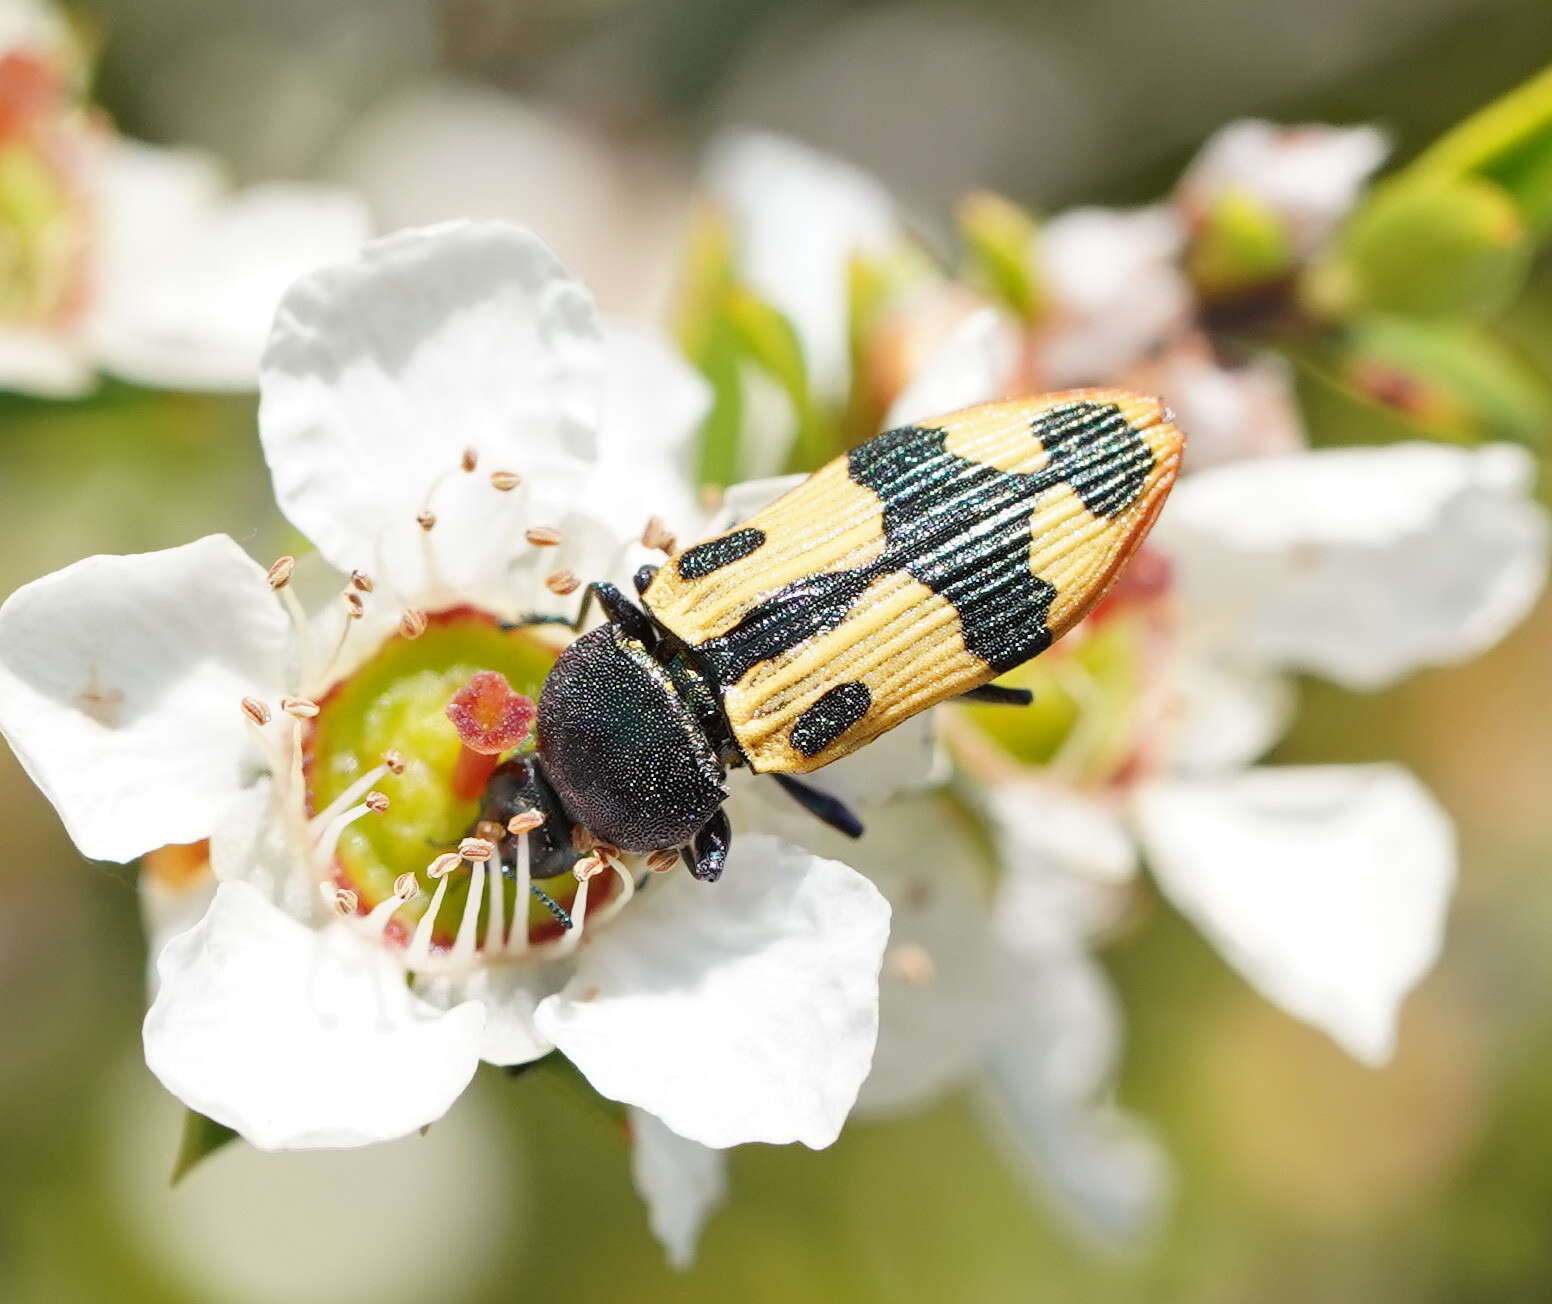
(1300, 1176)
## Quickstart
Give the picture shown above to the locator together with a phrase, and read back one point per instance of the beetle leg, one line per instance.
(644, 577)
(999, 695)
(707, 854)
(821, 805)
(617, 607)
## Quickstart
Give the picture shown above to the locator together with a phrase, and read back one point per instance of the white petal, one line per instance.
(610, 204)
(1225, 712)
(1056, 828)
(1325, 886)
(301, 1038)
(799, 216)
(48, 364)
(1230, 412)
(381, 371)
(654, 403)
(1043, 1095)
(1308, 175)
(744, 1010)
(973, 365)
(251, 844)
(193, 311)
(121, 680)
(945, 992)
(510, 995)
(1360, 564)
(168, 909)
(1119, 291)
(682, 1182)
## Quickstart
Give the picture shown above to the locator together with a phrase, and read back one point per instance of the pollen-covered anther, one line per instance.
(376, 802)
(256, 711)
(354, 607)
(280, 573)
(302, 708)
(526, 822)
(346, 902)
(470, 460)
(660, 862)
(562, 582)
(406, 887)
(394, 760)
(426, 520)
(412, 624)
(362, 582)
(586, 868)
(443, 865)
(477, 849)
(505, 481)
(543, 536)
(911, 963)
(490, 831)
(657, 536)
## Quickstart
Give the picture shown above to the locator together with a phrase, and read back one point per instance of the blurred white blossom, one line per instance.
(131, 259)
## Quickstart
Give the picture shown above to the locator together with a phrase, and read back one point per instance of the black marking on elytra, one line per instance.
(831, 716)
(697, 562)
(961, 528)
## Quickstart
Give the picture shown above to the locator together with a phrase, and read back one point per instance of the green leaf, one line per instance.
(1509, 142)
(1241, 244)
(1436, 248)
(999, 241)
(201, 1137)
(1449, 380)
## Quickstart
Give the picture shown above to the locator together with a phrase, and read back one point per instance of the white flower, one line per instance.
(1308, 176)
(133, 259)
(430, 415)
(799, 217)
(1326, 886)
(1116, 288)
(613, 209)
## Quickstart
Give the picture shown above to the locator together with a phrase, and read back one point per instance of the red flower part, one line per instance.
(489, 716)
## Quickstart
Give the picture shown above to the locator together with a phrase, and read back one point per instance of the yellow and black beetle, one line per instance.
(913, 569)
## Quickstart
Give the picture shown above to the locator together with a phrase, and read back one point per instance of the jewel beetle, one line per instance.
(913, 569)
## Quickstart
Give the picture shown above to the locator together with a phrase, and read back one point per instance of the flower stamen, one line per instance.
(359, 786)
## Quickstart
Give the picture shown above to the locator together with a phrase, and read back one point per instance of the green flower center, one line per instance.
(1089, 721)
(397, 703)
(44, 220)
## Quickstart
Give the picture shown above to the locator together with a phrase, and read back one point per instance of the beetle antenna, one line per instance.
(551, 904)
